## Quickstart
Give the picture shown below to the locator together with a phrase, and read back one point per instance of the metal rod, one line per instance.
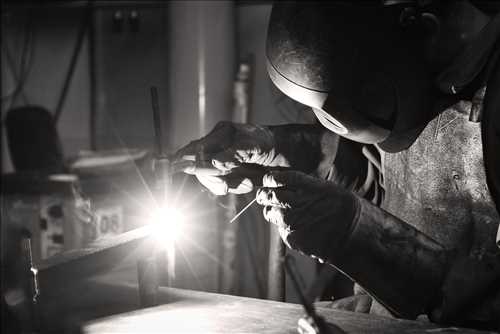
(157, 122)
(148, 281)
(276, 274)
(242, 210)
(308, 307)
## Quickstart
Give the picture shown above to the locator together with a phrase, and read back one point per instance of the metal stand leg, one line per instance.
(148, 280)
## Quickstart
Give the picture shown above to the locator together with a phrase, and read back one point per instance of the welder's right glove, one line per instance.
(233, 157)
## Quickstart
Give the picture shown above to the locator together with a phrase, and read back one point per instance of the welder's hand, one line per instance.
(233, 157)
(223, 151)
(305, 209)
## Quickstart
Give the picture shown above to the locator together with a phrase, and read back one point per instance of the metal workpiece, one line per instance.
(63, 270)
(63, 273)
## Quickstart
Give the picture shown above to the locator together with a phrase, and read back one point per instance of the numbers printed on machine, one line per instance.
(51, 222)
(109, 221)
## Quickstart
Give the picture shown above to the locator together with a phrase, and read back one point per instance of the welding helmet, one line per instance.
(362, 72)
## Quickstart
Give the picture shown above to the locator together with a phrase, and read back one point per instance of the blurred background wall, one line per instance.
(189, 50)
(46, 38)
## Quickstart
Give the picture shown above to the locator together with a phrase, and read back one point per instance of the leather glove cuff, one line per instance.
(398, 265)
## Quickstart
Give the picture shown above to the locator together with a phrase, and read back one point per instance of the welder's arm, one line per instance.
(398, 265)
(233, 157)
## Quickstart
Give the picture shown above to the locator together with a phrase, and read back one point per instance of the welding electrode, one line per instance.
(242, 210)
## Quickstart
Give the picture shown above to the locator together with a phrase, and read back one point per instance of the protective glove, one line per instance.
(305, 209)
(233, 157)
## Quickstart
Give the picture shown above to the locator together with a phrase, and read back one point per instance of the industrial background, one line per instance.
(96, 98)
(92, 66)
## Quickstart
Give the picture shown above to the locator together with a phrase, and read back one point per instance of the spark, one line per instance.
(166, 224)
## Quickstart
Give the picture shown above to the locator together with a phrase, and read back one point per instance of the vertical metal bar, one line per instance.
(202, 103)
(30, 318)
(148, 281)
(276, 274)
(157, 123)
(93, 81)
(165, 261)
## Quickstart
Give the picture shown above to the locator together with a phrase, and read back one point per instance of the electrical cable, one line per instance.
(11, 66)
(25, 59)
(24, 68)
(25, 64)
(74, 58)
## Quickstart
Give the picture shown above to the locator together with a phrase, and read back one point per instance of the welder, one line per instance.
(399, 185)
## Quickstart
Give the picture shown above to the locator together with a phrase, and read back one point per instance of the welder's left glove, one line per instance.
(305, 209)
(234, 157)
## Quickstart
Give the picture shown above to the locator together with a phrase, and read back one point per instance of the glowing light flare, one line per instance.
(167, 225)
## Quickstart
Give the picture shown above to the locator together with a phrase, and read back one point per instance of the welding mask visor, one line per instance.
(363, 75)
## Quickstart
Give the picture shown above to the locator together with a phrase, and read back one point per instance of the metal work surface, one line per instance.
(71, 266)
(200, 312)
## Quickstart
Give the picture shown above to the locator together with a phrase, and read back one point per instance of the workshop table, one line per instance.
(75, 297)
(89, 291)
(203, 312)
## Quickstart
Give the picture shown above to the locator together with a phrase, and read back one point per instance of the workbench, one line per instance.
(182, 311)
(96, 290)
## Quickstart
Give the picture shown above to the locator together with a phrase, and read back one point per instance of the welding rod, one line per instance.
(242, 210)
(253, 172)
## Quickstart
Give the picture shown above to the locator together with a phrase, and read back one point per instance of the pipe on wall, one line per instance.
(201, 56)
(202, 60)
